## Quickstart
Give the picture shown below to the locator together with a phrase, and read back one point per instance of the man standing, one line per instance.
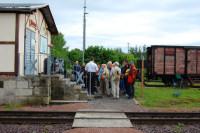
(91, 69)
(77, 70)
(125, 77)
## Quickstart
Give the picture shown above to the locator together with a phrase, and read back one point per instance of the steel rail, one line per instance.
(163, 117)
(57, 117)
(32, 117)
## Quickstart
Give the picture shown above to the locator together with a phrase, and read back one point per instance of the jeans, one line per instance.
(122, 85)
(126, 85)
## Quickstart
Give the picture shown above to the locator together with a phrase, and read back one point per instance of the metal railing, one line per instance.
(38, 63)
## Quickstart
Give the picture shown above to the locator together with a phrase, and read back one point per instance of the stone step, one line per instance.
(84, 119)
(67, 101)
(72, 83)
(67, 81)
(100, 115)
(103, 123)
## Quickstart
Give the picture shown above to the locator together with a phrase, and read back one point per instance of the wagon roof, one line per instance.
(30, 8)
(176, 46)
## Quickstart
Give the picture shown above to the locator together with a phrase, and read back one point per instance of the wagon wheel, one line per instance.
(185, 83)
(167, 82)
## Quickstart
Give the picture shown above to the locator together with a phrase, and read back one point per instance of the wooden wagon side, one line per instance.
(166, 62)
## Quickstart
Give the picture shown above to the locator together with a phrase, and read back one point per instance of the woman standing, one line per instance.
(104, 80)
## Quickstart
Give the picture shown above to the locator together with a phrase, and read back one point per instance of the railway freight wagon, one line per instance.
(174, 64)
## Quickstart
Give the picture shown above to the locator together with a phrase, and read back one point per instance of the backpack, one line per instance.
(116, 75)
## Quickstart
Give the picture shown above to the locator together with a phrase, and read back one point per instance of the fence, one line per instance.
(37, 63)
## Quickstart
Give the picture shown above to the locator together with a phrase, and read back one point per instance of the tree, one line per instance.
(59, 50)
(75, 55)
(101, 55)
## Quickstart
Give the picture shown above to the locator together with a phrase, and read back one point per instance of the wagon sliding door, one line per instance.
(198, 63)
(192, 61)
(180, 60)
(159, 61)
(29, 53)
(169, 61)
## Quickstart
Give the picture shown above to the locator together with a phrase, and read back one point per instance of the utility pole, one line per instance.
(84, 29)
(128, 47)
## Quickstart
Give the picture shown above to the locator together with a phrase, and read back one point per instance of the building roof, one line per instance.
(30, 8)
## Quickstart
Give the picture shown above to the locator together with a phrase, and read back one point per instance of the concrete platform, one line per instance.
(100, 119)
(86, 115)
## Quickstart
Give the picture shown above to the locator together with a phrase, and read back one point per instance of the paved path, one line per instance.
(122, 104)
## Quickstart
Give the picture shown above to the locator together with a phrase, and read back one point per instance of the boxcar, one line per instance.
(174, 63)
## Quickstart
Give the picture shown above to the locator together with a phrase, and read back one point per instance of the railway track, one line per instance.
(57, 117)
(163, 118)
(36, 117)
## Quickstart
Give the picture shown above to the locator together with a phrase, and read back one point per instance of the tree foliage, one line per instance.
(99, 53)
(59, 50)
(75, 55)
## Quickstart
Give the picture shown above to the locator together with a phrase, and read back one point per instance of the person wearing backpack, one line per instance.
(132, 74)
(116, 72)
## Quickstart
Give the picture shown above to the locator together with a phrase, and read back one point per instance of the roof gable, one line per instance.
(30, 8)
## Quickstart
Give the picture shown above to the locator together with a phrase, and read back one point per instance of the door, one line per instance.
(29, 53)
(192, 61)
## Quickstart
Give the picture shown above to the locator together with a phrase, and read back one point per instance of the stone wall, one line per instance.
(39, 90)
(30, 90)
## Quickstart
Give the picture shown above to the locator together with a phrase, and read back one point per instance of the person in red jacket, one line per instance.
(132, 74)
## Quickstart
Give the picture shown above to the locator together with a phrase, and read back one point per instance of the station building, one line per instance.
(25, 38)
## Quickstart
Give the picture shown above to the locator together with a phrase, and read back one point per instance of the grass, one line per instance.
(155, 83)
(168, 97)
(12, 106)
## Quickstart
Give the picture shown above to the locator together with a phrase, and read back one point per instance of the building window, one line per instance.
(43, 45)
(29, 55)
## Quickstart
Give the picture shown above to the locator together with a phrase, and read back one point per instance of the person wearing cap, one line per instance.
(116, 72)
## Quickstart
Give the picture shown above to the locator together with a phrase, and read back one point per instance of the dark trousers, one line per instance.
(126, 85)
(131, 90)
(91, 79)
(122, 85)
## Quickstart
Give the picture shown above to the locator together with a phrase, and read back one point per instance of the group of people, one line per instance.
(112, 78)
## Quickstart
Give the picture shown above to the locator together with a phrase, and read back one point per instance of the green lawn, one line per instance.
(168, 97)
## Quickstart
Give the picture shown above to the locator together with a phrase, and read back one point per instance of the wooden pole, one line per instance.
(142, 76)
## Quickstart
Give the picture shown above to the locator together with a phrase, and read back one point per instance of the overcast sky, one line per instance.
(114, 23)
